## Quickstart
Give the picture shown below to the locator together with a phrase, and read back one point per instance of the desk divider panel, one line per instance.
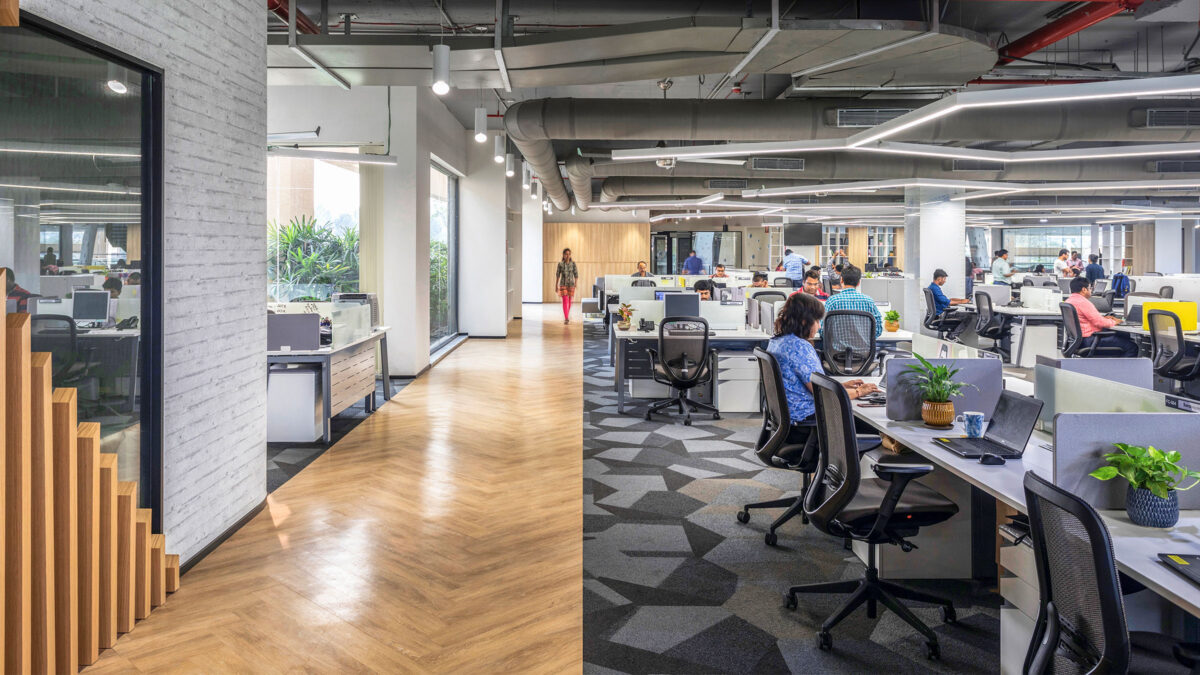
(1137, 372)
(1063, 391)
(933, 348)
(1035, 297)
(1081, 439)
(723, 317)
(984, 377)
(647, 309)
(1001, 294)
(634, 293)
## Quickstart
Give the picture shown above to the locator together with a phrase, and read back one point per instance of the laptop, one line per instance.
(1133, 316)
(1007, 432)
(1184, 563)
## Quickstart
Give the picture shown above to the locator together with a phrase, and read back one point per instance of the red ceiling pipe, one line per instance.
(303, 24)
(1089, 15)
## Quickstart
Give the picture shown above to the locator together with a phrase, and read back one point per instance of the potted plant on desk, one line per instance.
(1154, 477)
(891, 321)
(937, 387)
(626, 313)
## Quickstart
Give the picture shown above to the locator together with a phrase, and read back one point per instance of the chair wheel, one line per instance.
(647, 417)
(771, 539)
(716, 416)
(789, 601)
(932, 651)
(743, 517)
(825, 641)
(687, 422)
(949, 615)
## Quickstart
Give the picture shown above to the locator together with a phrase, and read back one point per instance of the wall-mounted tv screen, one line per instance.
(802, 234)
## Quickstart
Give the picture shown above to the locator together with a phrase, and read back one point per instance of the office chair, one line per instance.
(683, 361)
(1054, 283)
(940, 323)
(871, 267)
(990, 325)
(1027, 281)
(1081, 618)
(781, 282)
(644, 283)
(1153, 274)
(827, 285)
(1167, 292)
(1168, 350)
(771, 296)
(1072, 336)
(1101, 303)
(58, 335)
(848, 337)
(883, 510)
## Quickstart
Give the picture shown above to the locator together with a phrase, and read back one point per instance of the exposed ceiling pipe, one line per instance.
(1090, 14)
(579, 174)
(303, 24)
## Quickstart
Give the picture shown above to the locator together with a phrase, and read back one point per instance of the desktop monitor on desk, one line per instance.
(90, 306)
(661, 294)
(682, 304)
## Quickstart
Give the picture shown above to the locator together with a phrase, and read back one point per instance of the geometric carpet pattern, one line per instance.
(674, 584)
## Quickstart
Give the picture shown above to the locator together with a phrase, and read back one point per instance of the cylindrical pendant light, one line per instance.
(533, 189)
(441, 69)
(524, 175)
(480, 125)
(498, 154)
(510, 165)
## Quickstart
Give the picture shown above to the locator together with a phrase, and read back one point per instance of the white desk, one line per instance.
(1036, 332)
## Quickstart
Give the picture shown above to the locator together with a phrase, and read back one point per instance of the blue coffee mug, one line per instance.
(972, 423)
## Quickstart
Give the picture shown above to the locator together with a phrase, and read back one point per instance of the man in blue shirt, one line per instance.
(949, 320)
(1093, 271)
(693, 264)
(850, 298)
(794, 267)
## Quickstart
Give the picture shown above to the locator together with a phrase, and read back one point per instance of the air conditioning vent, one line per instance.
(727, 184)
(1135, 202)
(1177, 166)
(802, 200)
(977, 165)
(855, 118)
(1173, 117)
(1024, 202)
(776, 164)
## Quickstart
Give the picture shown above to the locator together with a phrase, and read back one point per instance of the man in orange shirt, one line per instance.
(1091, 322)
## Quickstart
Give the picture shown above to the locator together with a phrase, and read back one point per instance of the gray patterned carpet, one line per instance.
(674, 584)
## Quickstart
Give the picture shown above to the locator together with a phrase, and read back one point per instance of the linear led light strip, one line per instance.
(72, 188)
(33, 149)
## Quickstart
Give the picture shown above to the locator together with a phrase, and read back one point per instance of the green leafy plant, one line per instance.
(891, 315)
(936, 383)
(1146, 468)
(305, 253)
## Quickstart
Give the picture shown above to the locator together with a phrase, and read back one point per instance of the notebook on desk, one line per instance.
(1185, 563)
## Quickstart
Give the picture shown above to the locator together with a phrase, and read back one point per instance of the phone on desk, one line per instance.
(645, 325)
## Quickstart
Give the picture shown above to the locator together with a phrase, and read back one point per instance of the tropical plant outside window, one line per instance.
(443, 230)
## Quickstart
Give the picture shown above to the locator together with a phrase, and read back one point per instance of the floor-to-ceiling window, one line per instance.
(443, 256)
(80, 214)
(1029, 247)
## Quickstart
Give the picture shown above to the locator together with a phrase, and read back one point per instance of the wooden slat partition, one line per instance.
(597, 248)
(141, 608)
(158, 570)
(66, 534)
(126, 555)
(172, 573)
(42, 506)
(88, 449)
(108, 550)
(18, 580)
(3, 486)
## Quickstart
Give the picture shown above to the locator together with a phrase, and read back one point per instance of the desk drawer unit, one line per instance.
(737, 383)
(351, 376)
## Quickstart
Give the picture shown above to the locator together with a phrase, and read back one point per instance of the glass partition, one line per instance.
(1064, 391)
(443, 257)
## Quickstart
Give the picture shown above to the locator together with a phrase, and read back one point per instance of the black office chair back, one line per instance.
(983, 304)
(644, 282)
(1072, 333)
(771, 296)
(776, 420)
(1081, 621)
(837, 474)
(1166, 292)
(781, 281)
(848, 336)
(1054, 283)
(1027, 281)
(1166, 341)
(1102, 303)
(683, 349)
(871, 267)
(56, 334)
(1110, 297)
(1154, 274)
(931, 314)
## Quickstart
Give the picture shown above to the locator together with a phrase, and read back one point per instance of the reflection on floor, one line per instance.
(285, 460)
(674, 584)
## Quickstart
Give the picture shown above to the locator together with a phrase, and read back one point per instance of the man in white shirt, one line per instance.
(1001, 270)
(1062, 266)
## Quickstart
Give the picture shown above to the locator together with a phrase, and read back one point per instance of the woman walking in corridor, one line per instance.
(564, 280)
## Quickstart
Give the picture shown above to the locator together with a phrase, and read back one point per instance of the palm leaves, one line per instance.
(303, 253)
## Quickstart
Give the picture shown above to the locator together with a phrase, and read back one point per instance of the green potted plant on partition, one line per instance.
(891, 321)
(937, 386)
(1154, 476)
(626, 313)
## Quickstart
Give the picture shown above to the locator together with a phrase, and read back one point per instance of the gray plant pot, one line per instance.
(1149, 510)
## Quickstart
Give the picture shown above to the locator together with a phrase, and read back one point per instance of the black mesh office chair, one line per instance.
(644, 282)
(683, 361)
(1153, 274)
(771, 296)
(1027, 281)
(58, 335)
(827, 285)
(941, 323)
(1051, 283)
(871, 267)
(883, 510)
(848, 339)
(1081, 620)
(1072, 336)
(1167, 292)
(782, 282)
(1168, 350)
(990, 325)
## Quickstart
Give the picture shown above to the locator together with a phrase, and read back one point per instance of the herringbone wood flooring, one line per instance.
(441, 535)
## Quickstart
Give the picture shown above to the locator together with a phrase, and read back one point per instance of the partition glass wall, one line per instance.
(80, 214)
(1029, 247)
(443, 257)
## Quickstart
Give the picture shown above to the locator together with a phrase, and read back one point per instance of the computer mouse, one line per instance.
(991, 460)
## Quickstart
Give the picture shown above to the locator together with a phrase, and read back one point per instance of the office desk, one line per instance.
(1034, 332)
(1144, 335)
(342, 372)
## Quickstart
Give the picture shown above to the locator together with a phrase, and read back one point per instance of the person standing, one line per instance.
(1094, 270)
(1062, 266)
(693, 265)
(1001, 270)
(794, 267)
(564, 280)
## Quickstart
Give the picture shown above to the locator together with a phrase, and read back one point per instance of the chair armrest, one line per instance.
(908, 470)
(653, 355)
(898, 475)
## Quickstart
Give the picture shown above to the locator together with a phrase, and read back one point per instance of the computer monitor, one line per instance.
(90, 306)
(659, 295)
(682, 304)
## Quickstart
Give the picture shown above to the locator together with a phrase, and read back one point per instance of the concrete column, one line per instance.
(1168, 245)
(1189, 246)
(935, 234)
(531, 249)
(482, 245)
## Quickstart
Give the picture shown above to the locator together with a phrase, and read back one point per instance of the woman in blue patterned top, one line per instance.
(795, 328)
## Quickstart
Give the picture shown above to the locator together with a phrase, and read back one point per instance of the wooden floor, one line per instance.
(443, 534)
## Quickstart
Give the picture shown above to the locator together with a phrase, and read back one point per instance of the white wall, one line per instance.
(1168, 245)
(531, 249)
(482, 247)
(214, 180)
(306, 108)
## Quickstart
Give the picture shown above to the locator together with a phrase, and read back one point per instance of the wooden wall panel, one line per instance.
(88, 454)
(41, 468)
(66, 532)
(108, 550)
(597, 248)
(126, 555)
(141, 606)
(900, 252)
(10, 12)
(18, 581)
(158, 570)
(856, 253)
(172, 573)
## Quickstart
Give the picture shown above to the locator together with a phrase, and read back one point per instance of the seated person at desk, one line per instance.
(1001, 270)
(720, 273)
(641, 270)
(49, 260)
(693, 265)
(134, 279)
(812, 286)
(851, 298)
(1091, 322)
(113, 286)
(15, 292)
(1040, 269)
(1093, 271)
(939, 298)
(795, 328)
(759, 280)
(704, 287)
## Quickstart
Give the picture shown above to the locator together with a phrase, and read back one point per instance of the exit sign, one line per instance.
(10, 12)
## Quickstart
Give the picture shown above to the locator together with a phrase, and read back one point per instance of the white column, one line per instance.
(531, 249)
(1168, 245)
(1189, 246)
(482, 246)
(935, 233)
